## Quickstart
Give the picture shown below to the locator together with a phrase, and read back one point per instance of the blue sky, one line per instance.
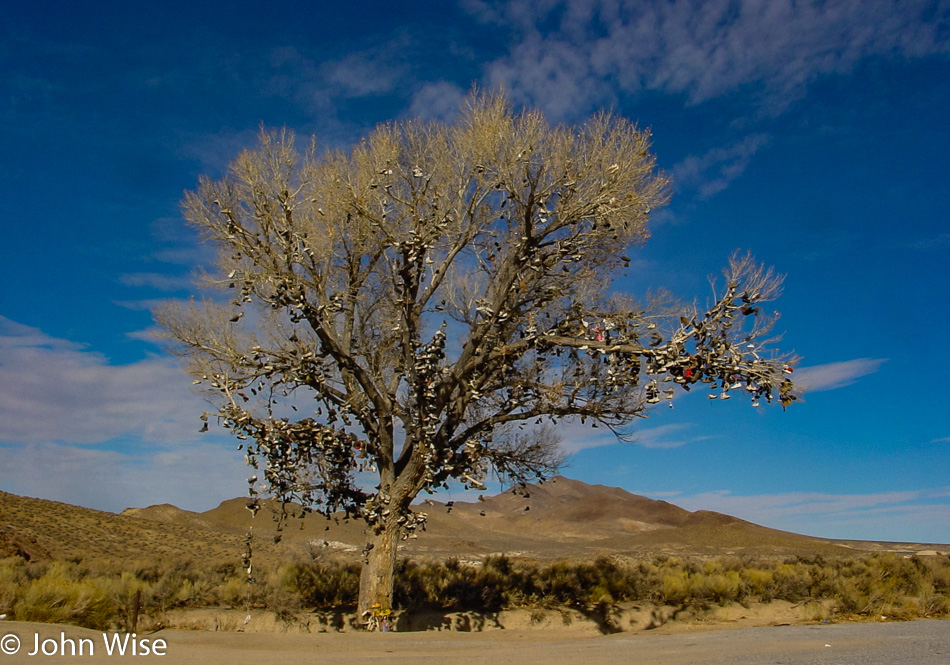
(812, 133)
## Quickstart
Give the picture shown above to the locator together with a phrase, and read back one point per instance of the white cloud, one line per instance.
(835, 375)
(364, 74)
(792, 503)
(551, 75)
(572, 54)
(57, 390)
(903, 515)
(191, 477)
(577, 437)
(326, 87)
(939, 241)
(75, 427)
(665, 437)
(712, 172)
(214, 152)
(436, 101)
(148, 304)
(158, 281)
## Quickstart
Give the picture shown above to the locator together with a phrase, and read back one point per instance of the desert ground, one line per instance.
(561, 520)
(915, 642)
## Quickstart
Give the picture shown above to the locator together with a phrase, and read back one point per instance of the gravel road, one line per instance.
(911, 643)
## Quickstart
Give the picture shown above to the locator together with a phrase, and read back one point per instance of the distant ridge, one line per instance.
(558, 518)
(561, 518)
(52, 530)
(168, 514)
(575, 501)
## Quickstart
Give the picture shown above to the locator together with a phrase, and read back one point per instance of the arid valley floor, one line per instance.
(561, 520)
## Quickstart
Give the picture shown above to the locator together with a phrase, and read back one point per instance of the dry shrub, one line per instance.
(720, 588)
(760, 583)
(321, 585)
(126, 593)
(939, 569)
(792, 582)
(931, 603)
(869, 586)
(11, 575)
(677, 588)
(59, 597)
(234, 593)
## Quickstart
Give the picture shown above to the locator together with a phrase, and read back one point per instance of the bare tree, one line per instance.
(438, 294)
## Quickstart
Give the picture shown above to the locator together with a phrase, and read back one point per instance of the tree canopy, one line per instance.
(439, 295)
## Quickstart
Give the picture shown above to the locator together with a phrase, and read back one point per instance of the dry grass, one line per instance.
(870, 586)
(74, 565)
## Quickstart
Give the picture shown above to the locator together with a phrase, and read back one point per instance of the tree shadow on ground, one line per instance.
(464, 622)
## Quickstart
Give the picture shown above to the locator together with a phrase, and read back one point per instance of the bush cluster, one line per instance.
(97, 596)
(885, 583)
(876, 584)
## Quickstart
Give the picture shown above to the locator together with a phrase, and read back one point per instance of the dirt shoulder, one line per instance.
(628, 618)
(921, 642)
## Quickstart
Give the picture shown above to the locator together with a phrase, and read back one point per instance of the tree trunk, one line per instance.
(376, 580)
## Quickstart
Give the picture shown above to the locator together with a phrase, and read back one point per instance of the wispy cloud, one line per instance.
(157, 281)
(577, 437)
(940, 241)
(440, 100)
(366, 73)
(583, 49)
(664, 437)
(76, 428)
(214, 151)
(551, 74)
(335, 91)
(829, 515)
(56, 390)
(836, 375)
(147, 304)
(191, 477)
(794, 503)
(712, 172)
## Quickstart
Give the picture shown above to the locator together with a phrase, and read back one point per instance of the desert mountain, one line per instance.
(561, 518)
(37, 529)
(568, 518)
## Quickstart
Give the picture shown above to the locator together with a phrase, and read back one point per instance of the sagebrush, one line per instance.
(101, 597)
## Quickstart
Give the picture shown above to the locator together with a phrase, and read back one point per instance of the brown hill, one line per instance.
(573, 502)
(568, 518)
(169, 514)
(555, 519)
(37, 529)
(561, 518)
